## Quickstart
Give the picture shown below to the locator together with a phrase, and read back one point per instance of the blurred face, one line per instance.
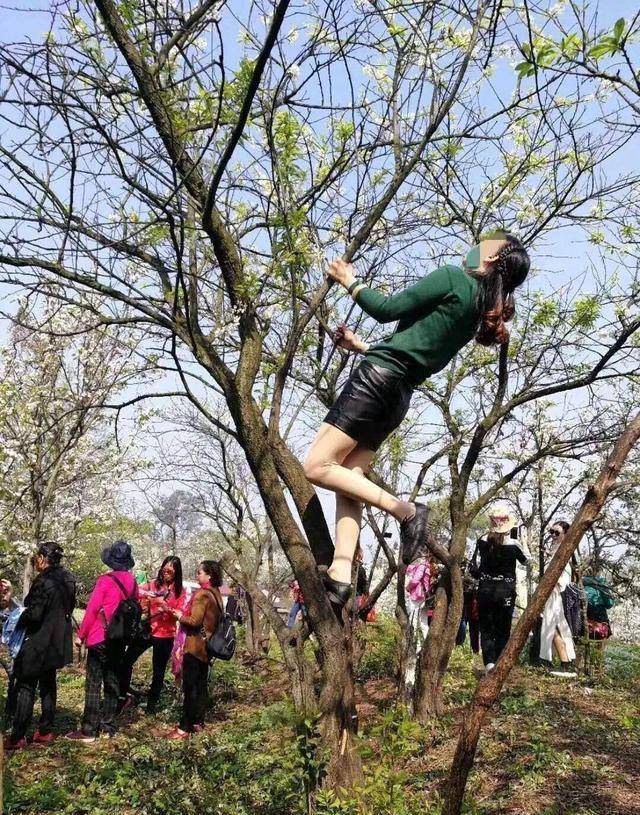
(483, 254)
(557, 534)
(202, 577)
(168, 573)
(40, 563)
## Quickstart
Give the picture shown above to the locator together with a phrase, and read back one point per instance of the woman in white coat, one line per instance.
(555, 631)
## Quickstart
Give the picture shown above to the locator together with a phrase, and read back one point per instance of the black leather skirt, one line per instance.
(371, 405)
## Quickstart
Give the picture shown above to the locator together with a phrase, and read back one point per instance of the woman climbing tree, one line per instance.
(436, 318)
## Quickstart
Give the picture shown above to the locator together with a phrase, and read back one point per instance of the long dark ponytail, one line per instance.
(496, 285)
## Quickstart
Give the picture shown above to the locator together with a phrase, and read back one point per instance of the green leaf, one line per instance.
(546, 314)
(600, 50)
(587, 311)
(344, 131)
(571, 46)
(525, 69)
(618, 29)
(547, 54)
(396, 30)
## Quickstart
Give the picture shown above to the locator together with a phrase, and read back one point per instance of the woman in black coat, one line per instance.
(48, 644)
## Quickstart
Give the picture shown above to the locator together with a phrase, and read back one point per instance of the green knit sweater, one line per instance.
(437, 317)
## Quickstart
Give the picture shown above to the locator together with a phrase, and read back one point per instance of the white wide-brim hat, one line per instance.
(502, 519)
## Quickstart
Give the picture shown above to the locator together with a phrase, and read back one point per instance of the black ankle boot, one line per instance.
(414, 534)
(339, 593)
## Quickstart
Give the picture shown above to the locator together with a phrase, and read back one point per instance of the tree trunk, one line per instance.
(255, 627)
(301, 677)
(249, 630)
(27, 576)
(427, 697)
(489, 688)
(339, 718)
(408, 644)
(439, 644)
(261, 632)
(337, 707)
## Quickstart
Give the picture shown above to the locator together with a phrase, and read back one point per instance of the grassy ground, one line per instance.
(555, 747)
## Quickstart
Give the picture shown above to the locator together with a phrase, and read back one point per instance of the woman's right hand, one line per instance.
(341, 272)
(347, 339)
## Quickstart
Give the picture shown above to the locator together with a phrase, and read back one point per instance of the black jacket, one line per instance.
(497, 560)
(47, 620)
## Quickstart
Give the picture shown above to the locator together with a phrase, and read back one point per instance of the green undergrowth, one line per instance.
(622, 662)
(381, 642)
(258, 756)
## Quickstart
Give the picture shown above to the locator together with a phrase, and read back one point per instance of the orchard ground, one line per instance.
(555, 747)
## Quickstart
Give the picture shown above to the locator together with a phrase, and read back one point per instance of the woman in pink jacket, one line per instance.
(104, 658)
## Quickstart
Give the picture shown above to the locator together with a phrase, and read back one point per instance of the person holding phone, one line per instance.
(199, 621)
(494, 564)
(160, 598)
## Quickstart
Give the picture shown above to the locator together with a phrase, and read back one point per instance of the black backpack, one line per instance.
(125, 623)
(222, 643)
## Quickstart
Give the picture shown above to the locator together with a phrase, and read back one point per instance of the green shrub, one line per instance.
(381, 648)
(622, 662)
(44, 795)
(516, 701)
(249, 767)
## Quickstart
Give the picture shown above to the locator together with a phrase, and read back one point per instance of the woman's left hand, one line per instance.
(341, 272)
(347, 339)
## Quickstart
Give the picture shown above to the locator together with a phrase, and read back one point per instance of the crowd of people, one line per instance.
(576, 606)
(125, 617)
(122, 620)
(490, 588)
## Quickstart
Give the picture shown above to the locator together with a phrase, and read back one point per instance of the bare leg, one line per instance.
(324, 467)
(561, 648)
(349, 518)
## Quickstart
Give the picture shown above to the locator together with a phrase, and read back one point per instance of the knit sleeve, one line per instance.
(415, 301)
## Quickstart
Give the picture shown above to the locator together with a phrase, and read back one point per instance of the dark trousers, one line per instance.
(10, 704)
(194, 689)
(496, 612)
(469, 618)
(534, 643)
(474, 634)
(104, 663)
(162, 647)
(24, 694)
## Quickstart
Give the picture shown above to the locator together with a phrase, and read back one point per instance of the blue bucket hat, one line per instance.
(118, 557)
